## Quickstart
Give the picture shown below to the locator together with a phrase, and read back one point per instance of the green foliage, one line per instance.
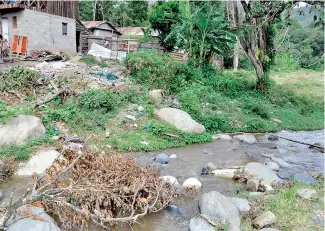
(90, 60)
(7, 113)
(162, 18)
(158, 70)
(17, 77)
(98, 99)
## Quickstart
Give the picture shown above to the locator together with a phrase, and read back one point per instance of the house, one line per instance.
(101, 29)
(137, 31)
(48, 25)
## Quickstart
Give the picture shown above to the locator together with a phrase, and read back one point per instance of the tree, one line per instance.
(138, 12)
(256, 34)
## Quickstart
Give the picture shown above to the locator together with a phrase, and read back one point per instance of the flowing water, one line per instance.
(191, 159)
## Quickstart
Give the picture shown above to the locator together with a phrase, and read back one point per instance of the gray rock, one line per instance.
(174, 210)
(37, 220)
(269, 145)
(214, 204)
(21, 129)
(242, 205)
(306, 193)
(193, 183)
(284, 174)
(180, 119)
(211, 166)
(261, 172)
(272, 165)
(162, 158)
(1, 195)
(252, 185)
(156, 96)
(267, 218)
(280, 162)
(199, 224)
(246, 138)
(222, 137)
(173, 156)
(38, 163)
(304, 178)
(273, 137)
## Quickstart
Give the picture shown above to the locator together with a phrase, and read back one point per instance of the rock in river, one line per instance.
(246, 138)
(272, 165)
(199, 224)
(192, 183)
(162, 158)
(267, 218)
(36, 220)
(20, 129)
(261, 172)
(280, 162)
(38, 163)
(180, 119)
(214, 204)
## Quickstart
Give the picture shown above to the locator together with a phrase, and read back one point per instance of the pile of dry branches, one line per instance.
(82, 186)
(7, 168)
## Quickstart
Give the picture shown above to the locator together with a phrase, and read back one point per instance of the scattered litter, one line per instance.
(109, 76)
(131, 117)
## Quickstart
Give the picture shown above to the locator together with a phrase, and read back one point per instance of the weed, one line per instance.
(98, 99)
(7, 113)
(90, 60)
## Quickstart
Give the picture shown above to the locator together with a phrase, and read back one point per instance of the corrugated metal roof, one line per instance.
(135, 31)
(91, 24)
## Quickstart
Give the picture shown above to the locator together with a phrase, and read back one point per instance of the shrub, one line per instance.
(98, 99)
(90, 60)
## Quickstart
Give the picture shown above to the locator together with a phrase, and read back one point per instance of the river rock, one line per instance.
(280, 162)
(21, 129)
(304, 178)
(174, 210)
(214, 204)
(180, 119)
(227, 173)
(169, 179)
(192, 183)
(306, 193)
(284, 174)
(273, 137)
(199, 224)
(211, 166)
(246, 138)
(38, 163)
(269, 145)
(162, 158)
(36, 220)
(261, 172)
(272, 165)
(173, 156)
(156, 96)
(242, 205)
(267, 218)
(252, 185)
(222, 137)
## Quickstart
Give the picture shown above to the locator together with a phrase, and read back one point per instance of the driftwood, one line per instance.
(49, 99)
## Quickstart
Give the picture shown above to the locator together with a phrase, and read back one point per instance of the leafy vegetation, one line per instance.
(90, 60)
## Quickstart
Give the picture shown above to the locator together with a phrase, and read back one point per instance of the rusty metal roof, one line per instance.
(96, 24)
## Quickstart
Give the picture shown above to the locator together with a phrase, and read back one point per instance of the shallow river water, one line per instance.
(191, 159)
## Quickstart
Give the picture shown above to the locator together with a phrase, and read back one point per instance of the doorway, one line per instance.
(78, 38)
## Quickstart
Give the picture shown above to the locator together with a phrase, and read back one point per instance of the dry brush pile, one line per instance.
(82, 186)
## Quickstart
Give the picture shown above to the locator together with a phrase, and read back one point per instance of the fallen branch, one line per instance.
(49, 99)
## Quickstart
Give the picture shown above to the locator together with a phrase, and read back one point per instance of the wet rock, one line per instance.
(214, 204)
(267, 218)
(272, 165)
(280, 162)
(174, 210)
(205, 171)
(199, 224)
(304, 178)
(21, 129)
(38, 163)
(37, 219)
(252, 185)
(273, 137)
(261, 172)
(222, 137)
(246, 138)
(242, 205)
(156, 96)
(227, 173)
(192, 183)
(180, 119)
(269, 145)
(306, 193)
(162, 158)
(284, 174)
(173, 156)
(169, 179)
(320, 147)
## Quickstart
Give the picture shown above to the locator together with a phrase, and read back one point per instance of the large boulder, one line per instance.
(20, 129)
(216, 205)
(180, 119)
(261, 172)
(199, 224)
(38, 163)
(30, 218)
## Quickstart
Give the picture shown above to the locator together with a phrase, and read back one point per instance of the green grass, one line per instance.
(292, 213)
(92, 61)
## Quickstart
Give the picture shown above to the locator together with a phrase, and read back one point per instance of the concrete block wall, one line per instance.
(44, 31)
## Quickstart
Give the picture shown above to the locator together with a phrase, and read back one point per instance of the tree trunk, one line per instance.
(94, 9)
(236, 56)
